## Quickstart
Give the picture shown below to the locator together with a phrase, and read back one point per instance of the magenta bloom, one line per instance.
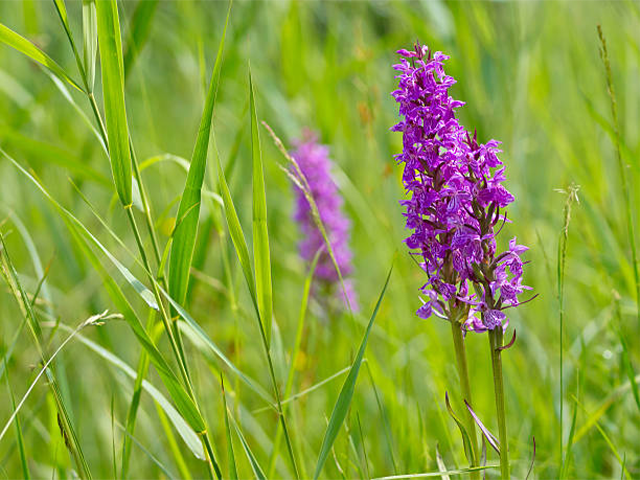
(315, 164)
(456, 201)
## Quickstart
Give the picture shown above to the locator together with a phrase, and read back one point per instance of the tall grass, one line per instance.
(134, 164)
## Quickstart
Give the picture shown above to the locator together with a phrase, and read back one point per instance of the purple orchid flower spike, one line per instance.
(315, 164)
(456, 195)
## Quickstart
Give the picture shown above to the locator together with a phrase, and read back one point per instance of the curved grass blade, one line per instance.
(346, 394)
(261, 254)
(138, 286)
(186, 232)
(493, 441)
(113, 97)
(52, 154)
(24, 46)
(138, 32)
(533, 460)
(255, 466)
(235, 231)
(93, 320)
(466, 441)
(233, 471)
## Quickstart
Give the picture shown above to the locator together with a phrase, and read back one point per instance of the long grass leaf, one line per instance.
(255, 466)
(185, 234)
(113, 97)
(346, 394)
(233, 471)
(90, 41)
(235, 231)
(261, 254)
(24, 46)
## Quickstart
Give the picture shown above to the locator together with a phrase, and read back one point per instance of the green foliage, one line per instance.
(216, 251)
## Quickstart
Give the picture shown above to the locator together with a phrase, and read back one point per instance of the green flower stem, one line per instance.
(495, 342)
(465, 389)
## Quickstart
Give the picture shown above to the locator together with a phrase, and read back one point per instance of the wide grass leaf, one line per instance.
(261, 253)
(21, 44)
(346, 394)
(186, 231)
(113, 97)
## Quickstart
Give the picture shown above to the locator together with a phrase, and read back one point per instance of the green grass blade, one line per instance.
(235, 231)
(255, 466)
(138, 32)
(155, 460)
(64, 18)
(113, 97)
(466, 441)
(24, 46)
(90, 41)
(19, 436)
(346, 394)
(261, 254)
(186, 232)
(233, 471)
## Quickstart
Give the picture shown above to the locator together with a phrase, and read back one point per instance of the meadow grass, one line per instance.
(142, 172)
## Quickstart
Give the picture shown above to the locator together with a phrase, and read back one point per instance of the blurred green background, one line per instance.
(531, 77)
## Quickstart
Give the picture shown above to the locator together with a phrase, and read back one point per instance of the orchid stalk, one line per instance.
(454, 211)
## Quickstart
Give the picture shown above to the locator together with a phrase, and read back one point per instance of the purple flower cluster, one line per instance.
(315, 164)
(457, 198)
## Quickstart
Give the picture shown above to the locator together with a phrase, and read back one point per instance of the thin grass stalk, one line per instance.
(495, 343)
(626, 194)
(465, 390)
(571, 196)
